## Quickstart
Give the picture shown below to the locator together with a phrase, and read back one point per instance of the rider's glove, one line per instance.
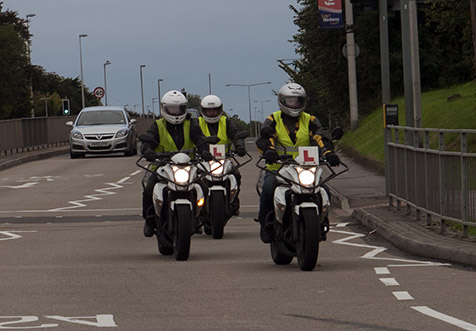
(206, 155)
(271, 156)
(333, 159)
(150, 155)
(241, 150)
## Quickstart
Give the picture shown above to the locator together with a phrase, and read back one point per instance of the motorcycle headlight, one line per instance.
(181, 175)
(307, 177)
(76, 135)
(217, 167)
(121, 133)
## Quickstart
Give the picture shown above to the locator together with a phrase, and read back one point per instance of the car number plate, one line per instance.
(99, 144)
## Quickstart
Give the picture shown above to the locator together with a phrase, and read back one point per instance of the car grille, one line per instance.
(99, 136)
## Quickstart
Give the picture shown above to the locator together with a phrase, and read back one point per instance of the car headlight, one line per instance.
(307, 177)
(181, 175)
(121, 133)
(76, 135)
(217, 167)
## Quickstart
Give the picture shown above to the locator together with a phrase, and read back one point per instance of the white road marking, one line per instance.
(72, 211)
(121, 181)
(136, 172)
(26, 185)
(445, 318)
(382, 271)
(389, 281)
(402, 295)
(341, 225)
(12, 235)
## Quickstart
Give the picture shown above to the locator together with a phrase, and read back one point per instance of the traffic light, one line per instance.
(66, 110)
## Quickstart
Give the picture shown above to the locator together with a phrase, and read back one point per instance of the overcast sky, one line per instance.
(180, 41)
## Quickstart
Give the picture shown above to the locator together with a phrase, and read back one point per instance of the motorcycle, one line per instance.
(299, 221)
(222, 202)
(177, 199)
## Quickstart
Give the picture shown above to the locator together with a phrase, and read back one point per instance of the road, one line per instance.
(73, 258)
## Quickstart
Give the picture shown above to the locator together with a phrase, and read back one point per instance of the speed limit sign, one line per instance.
(98, 92)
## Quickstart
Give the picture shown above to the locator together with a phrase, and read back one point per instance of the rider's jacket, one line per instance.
(292, 132)
(224, 129)
(169, 137)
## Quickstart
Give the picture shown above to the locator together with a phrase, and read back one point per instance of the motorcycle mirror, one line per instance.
(242, 135)
(267, 132)
(337, 133)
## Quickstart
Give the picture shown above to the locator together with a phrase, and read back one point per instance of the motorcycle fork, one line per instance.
(297, 200)
(172, 196)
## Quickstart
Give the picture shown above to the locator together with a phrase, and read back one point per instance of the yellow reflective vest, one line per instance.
(224, 139)
(166, 142)
(302, 137)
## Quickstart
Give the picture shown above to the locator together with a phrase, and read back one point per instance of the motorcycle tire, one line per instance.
(165, 245)
(183, 231)
(217, 214)
(307, 246)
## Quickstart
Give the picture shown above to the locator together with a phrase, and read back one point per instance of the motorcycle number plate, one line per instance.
(218, 151)
(308, 155)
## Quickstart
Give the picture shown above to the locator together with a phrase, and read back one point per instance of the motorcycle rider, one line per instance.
(213, 122)
(293, 128)
(175, 131)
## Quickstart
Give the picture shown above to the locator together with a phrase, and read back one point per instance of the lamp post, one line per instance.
(262, 109)
(46, 105)
(135, 108)
(81, 64)
(142, 88)
(29, 62)
(249, 97)
(158, 83)
(105, 84)
(153, 110)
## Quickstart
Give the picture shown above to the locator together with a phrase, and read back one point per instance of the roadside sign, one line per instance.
(98, 92)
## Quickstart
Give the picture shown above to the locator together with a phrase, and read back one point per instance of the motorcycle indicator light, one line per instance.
(181, 175)
(217, 167)
(201, 202)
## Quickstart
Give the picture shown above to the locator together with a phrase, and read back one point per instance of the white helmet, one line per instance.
(174, 107)
(212, 108)
(292, 99)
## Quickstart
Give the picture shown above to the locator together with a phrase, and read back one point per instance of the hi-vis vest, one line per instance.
(166, 142)
(224, 139)
(302, 137)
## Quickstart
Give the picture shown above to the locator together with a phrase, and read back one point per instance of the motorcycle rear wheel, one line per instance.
(183, 231)
(217, 214)
(307, 246)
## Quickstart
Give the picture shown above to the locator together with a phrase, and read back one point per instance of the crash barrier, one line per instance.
(25, 134)
(434, 172)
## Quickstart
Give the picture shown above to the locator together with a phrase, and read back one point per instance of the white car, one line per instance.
(102, 130)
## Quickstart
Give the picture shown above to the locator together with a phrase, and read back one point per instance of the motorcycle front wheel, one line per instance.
(217, 214)
(307, 246)
(183, 230)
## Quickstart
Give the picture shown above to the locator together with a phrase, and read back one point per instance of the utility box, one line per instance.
(390, 115)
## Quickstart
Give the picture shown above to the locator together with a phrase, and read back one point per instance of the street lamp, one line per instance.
(262, 110)
(46, 105)
(153, 110)
(249, 97)
(105, 84)
(142, 87)
(81, 63)
(158, 83)
(29, 62)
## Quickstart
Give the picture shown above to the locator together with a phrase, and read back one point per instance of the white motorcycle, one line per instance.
(301, 205)
(222, 202)
(177, 198)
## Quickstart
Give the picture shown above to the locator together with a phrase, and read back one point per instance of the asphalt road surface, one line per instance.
(73, 257)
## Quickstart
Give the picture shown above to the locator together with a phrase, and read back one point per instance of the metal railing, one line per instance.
(432, 171)
(26, 134)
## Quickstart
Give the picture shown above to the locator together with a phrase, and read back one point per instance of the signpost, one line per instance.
(99, 92)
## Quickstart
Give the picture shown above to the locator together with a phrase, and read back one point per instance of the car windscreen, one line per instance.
(101, 117)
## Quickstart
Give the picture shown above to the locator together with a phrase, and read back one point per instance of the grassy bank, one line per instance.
(451, 108)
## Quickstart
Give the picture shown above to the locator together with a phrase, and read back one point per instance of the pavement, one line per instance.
(359, 193)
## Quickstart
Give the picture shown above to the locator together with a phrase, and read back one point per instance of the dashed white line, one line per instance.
(389, 281)
(402, 295)
(382, 271)
(445, 318)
